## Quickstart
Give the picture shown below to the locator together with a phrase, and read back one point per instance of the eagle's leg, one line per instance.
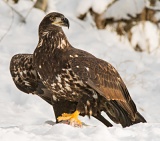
(85, 106)
(63, 106)
(71, 118)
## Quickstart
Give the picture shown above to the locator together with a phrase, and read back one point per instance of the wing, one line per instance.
(26, 77)
(104, 78)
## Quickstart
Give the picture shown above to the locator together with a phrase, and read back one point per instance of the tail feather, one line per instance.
(103, 120)
(117, 114)
(139, 118)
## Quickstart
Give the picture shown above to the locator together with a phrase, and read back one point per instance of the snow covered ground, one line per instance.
(28, 118)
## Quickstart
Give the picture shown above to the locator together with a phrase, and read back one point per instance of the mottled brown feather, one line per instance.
(26, 77)
(21, 63)
(105, 80)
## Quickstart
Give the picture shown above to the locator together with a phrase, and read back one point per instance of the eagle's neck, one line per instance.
(53, 38)
(52, 45)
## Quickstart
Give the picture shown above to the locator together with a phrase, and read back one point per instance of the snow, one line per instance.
(101, 5)
(121, 9)
(97, 6)
(27, 117)
(146, 35)
(86, 6)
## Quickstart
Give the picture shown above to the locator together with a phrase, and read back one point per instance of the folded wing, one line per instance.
(103, 77)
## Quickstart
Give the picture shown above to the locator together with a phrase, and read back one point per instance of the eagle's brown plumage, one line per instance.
(27, 80)
(64, 73)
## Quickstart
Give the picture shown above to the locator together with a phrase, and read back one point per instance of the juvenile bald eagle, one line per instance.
(73, 81)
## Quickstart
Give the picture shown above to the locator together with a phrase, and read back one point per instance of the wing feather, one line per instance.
(26, 77)
(103, 77)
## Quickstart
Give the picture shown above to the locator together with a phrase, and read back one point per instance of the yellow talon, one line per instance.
(72, 118)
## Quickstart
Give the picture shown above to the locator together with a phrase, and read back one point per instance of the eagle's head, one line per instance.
(54, 19)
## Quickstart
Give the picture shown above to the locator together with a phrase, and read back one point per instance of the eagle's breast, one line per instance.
(67, 85)
(52, 62)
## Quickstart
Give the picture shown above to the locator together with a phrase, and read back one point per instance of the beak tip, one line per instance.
(66, 21)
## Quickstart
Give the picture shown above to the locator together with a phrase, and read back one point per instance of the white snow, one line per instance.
(146, 35)
(98, 6)
(86, 4)
(122, 8)
(25, 117)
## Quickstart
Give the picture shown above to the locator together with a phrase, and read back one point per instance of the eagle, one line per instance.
(73, 81)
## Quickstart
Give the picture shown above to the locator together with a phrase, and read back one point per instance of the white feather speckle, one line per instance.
(58, 77)
(95, 96)
(67, 86)
(60, 85)
(54, 98)
(63, 42)
(27, 83)
(21, 73)
(53, 85)
(16, 78)
(66, 79)
(88, 103)
(73, 93)
(39, 75)
(87, 68)
(71, 56)
(25, 72)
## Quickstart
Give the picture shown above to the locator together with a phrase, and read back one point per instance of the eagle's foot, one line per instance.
(71, 119)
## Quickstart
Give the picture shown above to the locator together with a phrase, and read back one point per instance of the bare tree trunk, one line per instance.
(41, 4)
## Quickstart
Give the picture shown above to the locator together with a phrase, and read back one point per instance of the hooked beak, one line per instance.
(65, 22)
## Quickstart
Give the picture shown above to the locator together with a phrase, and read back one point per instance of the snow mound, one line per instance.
(146, 35)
